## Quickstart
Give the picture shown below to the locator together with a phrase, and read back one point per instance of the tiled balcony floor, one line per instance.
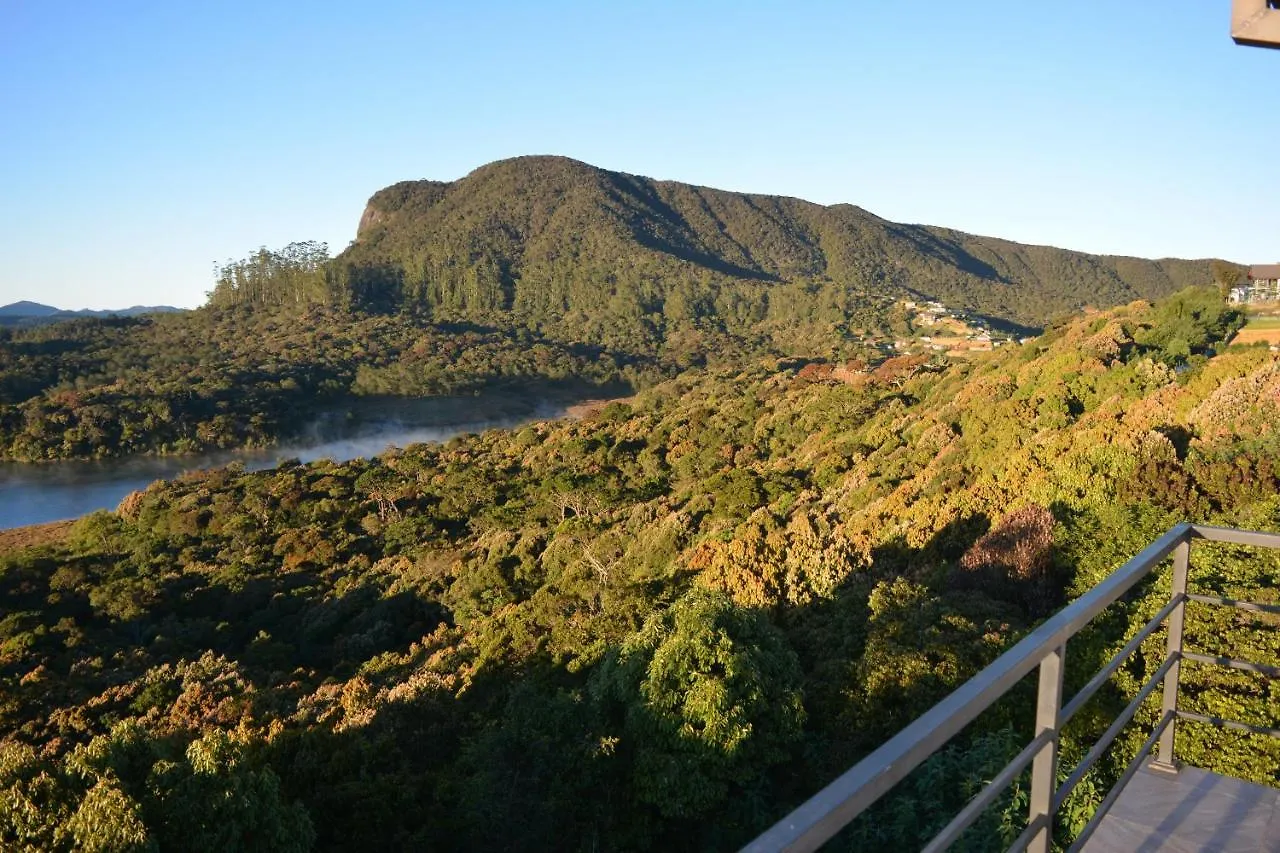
(1192, 811)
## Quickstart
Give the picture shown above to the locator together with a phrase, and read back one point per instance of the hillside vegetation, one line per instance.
(234, 376)
(537, 272)
(655, 629)
(571, 247)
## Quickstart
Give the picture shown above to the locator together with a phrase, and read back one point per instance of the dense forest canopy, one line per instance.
(537, 269)
(659, 627)
(546, 239)
(653, 629)
(237, 376)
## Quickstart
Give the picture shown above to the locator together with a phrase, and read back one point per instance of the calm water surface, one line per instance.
(52, 491)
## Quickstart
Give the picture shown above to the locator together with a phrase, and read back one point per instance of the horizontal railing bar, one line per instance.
(1112, 731)
(1086, 693)
(1114, 794)
(988, 794)
(1236, 537)
(1247, 666)
(1228, 724)
(1251, 606)
(823, 814)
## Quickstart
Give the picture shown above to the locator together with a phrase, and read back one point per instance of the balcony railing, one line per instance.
(823, 815)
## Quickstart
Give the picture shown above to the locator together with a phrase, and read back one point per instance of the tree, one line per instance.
(1226, 275)
(294, 275)
(713, 699)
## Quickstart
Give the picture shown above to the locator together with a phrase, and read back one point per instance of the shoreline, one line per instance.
(33, 535)
(60, 493)
(434, 411)
(588, 408)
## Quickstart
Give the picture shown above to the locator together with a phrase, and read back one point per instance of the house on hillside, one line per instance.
(1263, 285)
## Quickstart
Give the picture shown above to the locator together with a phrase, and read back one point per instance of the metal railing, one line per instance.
(828, 811)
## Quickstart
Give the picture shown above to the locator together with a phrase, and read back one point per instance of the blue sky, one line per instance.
(141, 142)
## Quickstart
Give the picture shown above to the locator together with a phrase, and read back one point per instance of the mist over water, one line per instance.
(377, 426)
(34, 493)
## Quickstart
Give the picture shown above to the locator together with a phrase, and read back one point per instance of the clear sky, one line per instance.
(141, 141)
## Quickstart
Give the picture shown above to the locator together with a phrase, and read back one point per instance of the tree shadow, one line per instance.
(875, 631)
(935, 247)
(678, 239)
(536, 753)
(932, 563)
(525, 758)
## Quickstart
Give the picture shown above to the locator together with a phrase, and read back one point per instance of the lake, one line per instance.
(34, 493)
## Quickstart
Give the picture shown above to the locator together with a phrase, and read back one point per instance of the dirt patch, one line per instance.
(1253, 335)
(35, 534)
(588, 408)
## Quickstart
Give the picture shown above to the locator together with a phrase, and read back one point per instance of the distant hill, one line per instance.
(27, 309)
(27, 313)
(567, 246)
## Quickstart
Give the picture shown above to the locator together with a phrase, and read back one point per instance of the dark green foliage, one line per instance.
(610, 257)
(1190, 322)
(237, 376)
(536, 268)
(935, 792)
(128, 791)
(655, 628)
(711, 698)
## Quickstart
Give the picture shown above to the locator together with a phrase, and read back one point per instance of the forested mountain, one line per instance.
(532, 269)
(655, 629)
(546, 239)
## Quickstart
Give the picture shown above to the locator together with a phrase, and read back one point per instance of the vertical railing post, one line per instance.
(1178, 592)
(1044, 770)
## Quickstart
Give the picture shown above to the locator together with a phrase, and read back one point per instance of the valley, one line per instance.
(639, 428)
(818, 470)
(742, 578)
(38, 493)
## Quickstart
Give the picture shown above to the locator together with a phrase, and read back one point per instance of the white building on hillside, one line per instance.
(1263, 285)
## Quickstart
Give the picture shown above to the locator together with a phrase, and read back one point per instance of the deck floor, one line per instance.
(1192, 811)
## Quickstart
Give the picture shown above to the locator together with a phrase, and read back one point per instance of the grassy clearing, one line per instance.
(1261, 328)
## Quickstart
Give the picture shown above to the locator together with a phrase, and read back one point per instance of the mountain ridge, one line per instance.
(26, 308)
(521, 223)
(25, 311)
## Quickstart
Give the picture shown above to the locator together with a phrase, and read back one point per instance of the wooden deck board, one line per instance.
(1192, 811)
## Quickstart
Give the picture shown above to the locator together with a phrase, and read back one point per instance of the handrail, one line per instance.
(1084, 694)
(832, 808)
(1235, 536)
(1233, 663)
(1162, 726)
(1251, 606)
(1111, 734)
